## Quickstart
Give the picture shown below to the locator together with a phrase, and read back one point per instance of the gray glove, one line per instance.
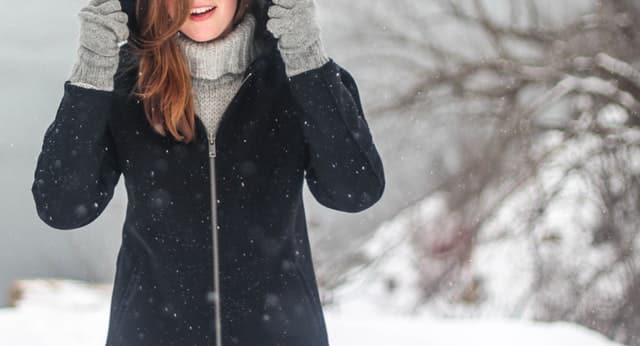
(293, 23)
(103, 30)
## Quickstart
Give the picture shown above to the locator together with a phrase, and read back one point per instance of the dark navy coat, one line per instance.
(277, 133)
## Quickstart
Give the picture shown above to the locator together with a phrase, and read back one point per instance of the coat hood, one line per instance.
(265, 40)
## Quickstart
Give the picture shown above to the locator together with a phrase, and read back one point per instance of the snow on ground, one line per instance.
(72, 313)
(353, 328)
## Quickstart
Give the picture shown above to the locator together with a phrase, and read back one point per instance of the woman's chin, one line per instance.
(201, 37)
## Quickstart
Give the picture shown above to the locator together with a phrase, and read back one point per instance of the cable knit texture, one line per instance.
(217, 69)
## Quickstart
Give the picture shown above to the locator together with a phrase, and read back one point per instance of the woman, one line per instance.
(215, 112)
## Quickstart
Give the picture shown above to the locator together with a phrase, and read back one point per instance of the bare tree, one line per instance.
(527, 91)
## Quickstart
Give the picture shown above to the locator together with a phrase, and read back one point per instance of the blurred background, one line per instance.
(510, 134)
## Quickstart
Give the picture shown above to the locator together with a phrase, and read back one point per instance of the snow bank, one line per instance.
(73, 313)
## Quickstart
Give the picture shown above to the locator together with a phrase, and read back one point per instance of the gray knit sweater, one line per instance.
(217, 69)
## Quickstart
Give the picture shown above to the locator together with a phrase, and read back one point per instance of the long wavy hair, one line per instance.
(164, 79)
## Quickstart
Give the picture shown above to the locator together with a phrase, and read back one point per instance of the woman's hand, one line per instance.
(103, 30)
(293, 23)
(103, 27)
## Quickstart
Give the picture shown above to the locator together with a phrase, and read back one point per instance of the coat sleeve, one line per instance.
(76, 170)
(343, 169)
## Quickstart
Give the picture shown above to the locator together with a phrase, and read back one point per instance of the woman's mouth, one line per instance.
(202, 13)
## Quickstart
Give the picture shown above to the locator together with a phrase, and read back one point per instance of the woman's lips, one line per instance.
(202, 16)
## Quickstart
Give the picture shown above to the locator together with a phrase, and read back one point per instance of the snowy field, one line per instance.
(74, 314)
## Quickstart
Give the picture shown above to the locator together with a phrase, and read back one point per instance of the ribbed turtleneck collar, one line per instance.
(230, 54)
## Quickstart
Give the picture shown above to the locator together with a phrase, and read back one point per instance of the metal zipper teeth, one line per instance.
(214, 224)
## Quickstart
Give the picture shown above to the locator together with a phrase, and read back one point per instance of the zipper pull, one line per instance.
(212, 138)
(212, 146)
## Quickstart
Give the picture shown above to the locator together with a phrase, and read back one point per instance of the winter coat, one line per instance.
(276, 133)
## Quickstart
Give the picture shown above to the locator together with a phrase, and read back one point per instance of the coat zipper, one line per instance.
(214, 223)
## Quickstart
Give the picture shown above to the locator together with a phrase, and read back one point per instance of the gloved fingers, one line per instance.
(296, 5)
(291, 42)
(276, 26)
(98, 40)
(287, 3)
(277, 11)
(287, 20)
(114, 22)
(119, 27)
(119, 17)
(103, 34)
(103, 6)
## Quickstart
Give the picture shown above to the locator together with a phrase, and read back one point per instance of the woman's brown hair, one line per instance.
(164, 80)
